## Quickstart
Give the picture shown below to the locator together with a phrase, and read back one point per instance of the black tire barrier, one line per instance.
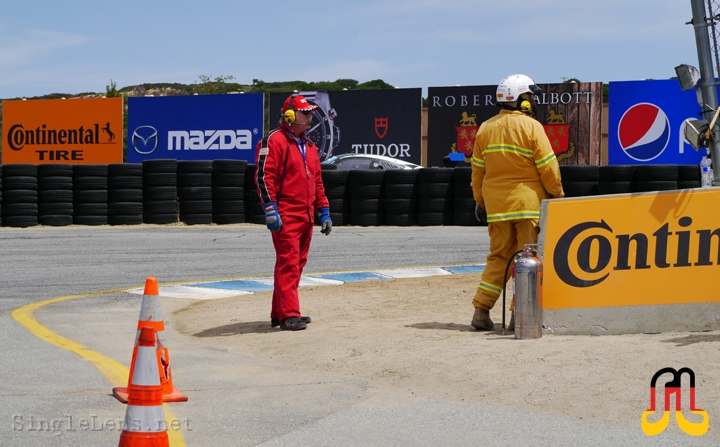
(689, 173)
(614, 187)
(577, 188)
(55, 194)
(19, 191)
(646, 173)
(580, 173)
(616, 173)
(224, 192)
(159, 178)
(654, 185)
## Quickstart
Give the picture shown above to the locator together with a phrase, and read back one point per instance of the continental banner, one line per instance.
(631, 250)
(569, 112)
(378, 122)
(74, 131)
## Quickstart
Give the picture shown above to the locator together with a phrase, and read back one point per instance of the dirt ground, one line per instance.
(414, 336)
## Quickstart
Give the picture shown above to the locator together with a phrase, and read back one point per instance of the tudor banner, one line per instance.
(569, 112)
(198, 127)
(379, 122)
(74, 131)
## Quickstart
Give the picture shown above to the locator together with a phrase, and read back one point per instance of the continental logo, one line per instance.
(19, 137)
(589, 252)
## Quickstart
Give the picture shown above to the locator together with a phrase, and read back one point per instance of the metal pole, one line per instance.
(709, 92)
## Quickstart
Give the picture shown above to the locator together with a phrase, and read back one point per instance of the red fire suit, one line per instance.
(293, 181)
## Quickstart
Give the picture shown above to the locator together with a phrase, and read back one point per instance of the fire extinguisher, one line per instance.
(528, 294)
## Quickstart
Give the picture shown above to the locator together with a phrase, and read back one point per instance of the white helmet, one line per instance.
(510, 88)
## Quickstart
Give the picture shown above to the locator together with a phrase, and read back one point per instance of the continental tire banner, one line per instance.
(569, 112)
(631, 250)
(73, 131)
(379, 122)
(198, 127)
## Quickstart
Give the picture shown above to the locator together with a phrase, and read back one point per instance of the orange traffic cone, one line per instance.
(151, 316)
(145, 424)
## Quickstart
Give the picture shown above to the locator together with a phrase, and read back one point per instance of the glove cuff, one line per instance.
(324, 212)
(270, 206)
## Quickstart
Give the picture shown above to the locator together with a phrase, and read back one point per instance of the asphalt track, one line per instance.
(53, 393)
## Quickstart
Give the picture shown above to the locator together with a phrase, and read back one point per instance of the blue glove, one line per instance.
(272, 217)
(325, 221)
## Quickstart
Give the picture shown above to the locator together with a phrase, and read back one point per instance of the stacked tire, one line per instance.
(160, 191)
(194, 183)
(90, 194)
(689, 176)
(435, 196)
(255, 212)
(228, 191)
(125, 194)
(335, 183)
(401, 197)
(463, 199)
(20, 197)
(365, 190)
(615, 179)
(655, 178)
(580, 180)
(55, 194)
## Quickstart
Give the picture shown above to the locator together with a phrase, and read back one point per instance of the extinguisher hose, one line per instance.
(507, 267)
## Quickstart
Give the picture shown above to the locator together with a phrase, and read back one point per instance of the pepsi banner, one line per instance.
(198, 127)
(646, 123)
(378, 122)
(569, 112)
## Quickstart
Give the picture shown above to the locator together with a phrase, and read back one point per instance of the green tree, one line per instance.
(111, 90)
(209, 86)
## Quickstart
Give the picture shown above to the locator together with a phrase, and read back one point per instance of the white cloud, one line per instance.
(26, 46)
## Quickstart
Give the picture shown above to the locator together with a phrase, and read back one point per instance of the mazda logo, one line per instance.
(146, 137)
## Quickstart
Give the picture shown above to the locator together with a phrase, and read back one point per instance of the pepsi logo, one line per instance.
(644, 131)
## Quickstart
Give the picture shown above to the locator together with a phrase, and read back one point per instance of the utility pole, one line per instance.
(707, 76)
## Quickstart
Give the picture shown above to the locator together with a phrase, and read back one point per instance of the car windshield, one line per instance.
(354, 163)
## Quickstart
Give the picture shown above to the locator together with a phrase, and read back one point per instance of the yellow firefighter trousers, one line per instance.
(506, 237)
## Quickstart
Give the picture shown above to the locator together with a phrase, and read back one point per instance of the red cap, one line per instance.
(299, 103)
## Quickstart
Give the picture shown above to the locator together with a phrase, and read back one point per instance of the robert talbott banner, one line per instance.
(379, 122)
(569, 112)
(75, 131)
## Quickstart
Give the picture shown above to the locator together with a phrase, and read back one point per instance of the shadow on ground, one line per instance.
(693, 338)
(458, 327)
(248, 327)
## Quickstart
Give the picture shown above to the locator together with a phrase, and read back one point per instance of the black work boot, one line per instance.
(481, 320)
(274, 322)
(292, 324)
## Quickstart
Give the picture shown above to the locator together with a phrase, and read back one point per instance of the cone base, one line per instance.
(121, 394)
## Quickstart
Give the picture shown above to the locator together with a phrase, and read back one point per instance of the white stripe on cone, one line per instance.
(146, 370)
(145, 419)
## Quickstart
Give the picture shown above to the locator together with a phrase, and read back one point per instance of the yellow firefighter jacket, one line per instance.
(513, 167)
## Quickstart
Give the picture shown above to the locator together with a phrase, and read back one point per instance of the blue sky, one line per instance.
(79, 46)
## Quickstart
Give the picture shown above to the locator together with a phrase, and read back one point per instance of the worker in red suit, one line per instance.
(290, 186)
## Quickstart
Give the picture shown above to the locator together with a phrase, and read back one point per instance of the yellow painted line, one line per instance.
(116, 373)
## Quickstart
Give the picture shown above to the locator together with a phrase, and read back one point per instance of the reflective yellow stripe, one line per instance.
(545, 160)
(486, 286)
(479, 162)
(513, 216)
(509, 148)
